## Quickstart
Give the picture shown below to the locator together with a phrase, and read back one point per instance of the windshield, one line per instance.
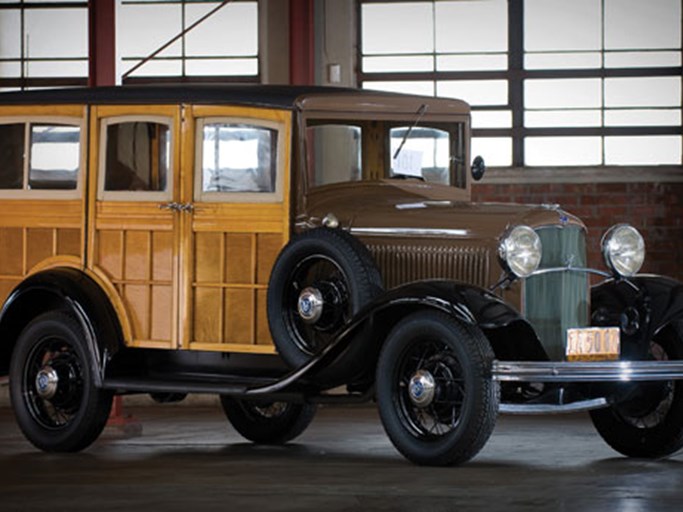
(341, 151)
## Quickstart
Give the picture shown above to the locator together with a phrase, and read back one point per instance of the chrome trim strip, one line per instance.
(554, 270)
(426, 232)
(584, 405)
(608, 371)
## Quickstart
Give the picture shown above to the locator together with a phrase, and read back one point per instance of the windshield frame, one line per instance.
(377, 168)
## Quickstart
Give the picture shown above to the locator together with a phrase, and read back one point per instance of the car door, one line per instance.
(134, 207)
(236, 219)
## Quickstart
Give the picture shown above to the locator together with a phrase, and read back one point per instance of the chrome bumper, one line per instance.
(606, 371)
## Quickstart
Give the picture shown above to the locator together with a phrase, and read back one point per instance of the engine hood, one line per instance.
(412, 209)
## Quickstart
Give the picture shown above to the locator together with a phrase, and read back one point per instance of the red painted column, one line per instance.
(101, 43)
(102, 72)
(301, 43)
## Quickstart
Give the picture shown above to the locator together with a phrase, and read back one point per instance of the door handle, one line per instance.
(176, 207)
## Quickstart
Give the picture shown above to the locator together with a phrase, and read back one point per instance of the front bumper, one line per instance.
(607, 371)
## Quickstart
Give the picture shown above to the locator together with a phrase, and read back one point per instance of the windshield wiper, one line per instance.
(420, 113)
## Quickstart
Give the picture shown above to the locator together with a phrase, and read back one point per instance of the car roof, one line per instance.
(273, 96)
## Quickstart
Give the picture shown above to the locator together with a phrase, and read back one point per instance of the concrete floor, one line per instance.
(190, 459)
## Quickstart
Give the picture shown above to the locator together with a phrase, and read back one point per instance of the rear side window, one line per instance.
(39, 156)
(12, 156)
(137, 156)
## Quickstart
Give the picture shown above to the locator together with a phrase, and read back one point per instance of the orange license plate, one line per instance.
(593, 344)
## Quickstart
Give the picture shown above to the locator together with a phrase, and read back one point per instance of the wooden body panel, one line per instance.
(231, 246)
(193, 278)
(133, 243)
(41, 229)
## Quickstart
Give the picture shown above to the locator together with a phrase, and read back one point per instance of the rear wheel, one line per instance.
(649, 422)
(57, 405)
(436, 398)
(267, 422)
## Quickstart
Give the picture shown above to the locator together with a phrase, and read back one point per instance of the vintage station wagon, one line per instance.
(284, 247)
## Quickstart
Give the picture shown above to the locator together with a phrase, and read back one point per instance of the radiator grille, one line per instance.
(404, 263)
(557, 301)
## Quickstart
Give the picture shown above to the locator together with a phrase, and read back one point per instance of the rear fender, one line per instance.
(62, 288)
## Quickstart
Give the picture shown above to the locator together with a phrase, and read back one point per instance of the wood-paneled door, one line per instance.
(134, 207)
(235, 222)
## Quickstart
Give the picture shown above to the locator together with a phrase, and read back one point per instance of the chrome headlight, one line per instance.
(520, 251)
(623, 248)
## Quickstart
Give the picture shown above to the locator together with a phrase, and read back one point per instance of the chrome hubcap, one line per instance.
(47, 382)
(310, 305)
(421, 389)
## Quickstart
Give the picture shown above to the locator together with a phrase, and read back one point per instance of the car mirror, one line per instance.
(478, 168)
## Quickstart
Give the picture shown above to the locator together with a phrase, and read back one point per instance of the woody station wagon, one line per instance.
(284, 247)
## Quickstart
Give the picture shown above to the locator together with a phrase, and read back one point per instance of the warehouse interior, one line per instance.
(573, 103)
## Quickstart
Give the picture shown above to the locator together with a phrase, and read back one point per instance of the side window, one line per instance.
(334, 154)
(54, 157)
(137, 156)
(12, 156)
(39, 156)
(424, 152)
(238, 158)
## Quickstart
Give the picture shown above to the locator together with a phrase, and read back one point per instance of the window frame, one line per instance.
(516, 74)
(24, 192)
(198, 193)
(134, 195)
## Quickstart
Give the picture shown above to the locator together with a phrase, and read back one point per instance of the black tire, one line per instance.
(649, 422)
(452, 423)
(56, 404)
(342, 270)
(268, 422)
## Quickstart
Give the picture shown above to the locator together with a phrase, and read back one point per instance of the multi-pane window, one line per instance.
(551, 82)
(223, 44)
(43, 43)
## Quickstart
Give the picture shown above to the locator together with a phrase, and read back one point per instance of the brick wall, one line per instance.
(655, 209)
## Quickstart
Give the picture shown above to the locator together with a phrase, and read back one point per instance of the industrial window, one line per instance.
(43, 44)
(225, 44)
(551, 82)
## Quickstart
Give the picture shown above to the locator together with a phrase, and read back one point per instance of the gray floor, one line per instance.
(189, 459)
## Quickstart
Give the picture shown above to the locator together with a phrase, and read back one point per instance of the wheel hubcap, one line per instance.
(310, 305)
(421, 389)
(47, 382)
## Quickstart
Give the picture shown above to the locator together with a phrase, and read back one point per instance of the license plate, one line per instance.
(593, 344)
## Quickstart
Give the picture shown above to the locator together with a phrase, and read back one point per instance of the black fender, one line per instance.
(62, 288)
(511, 336)
(641, 306)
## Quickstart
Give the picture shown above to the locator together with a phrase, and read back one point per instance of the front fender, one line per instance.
(511, 336)
(641, 306)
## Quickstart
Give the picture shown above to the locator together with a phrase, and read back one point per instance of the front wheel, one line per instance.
(56, 403)
(649, 422)
(266, 422)
(436, 398)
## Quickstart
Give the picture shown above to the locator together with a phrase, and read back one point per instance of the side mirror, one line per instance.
(478, 168)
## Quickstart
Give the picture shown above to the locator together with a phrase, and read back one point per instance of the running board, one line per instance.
(606, 371)
(232, 387)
